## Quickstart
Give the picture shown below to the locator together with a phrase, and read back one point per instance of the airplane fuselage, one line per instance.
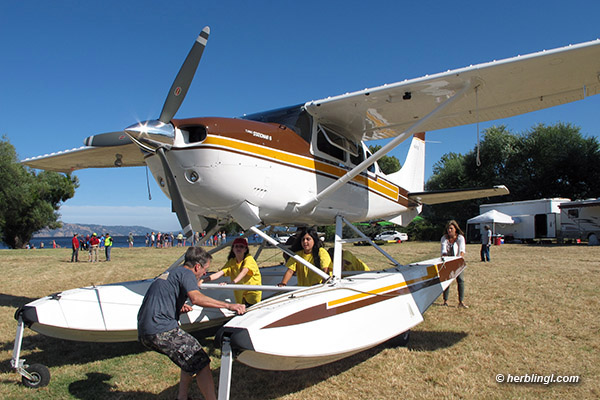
(220, 162)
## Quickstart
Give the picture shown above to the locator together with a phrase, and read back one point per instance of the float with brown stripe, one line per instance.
(327, 322)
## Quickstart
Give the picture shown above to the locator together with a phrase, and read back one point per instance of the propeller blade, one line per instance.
(107, 139)
(176, 198)
(184, 78)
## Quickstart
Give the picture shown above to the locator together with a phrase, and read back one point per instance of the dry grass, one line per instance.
(534, 309)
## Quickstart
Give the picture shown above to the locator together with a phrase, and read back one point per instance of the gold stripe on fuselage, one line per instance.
(378, 185)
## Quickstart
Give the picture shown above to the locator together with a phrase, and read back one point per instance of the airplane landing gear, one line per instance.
(36, 376)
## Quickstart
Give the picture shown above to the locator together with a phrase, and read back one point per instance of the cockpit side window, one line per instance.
(325, 145)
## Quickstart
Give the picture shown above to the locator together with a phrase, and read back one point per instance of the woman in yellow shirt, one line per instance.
(241, 268)
(309, 247)
(350, 262)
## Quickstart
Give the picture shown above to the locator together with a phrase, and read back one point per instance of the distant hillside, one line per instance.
(70, 229)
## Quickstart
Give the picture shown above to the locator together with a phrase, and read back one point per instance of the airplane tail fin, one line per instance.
(411, 177)
(412, 174)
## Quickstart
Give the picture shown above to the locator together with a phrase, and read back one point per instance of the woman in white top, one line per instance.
(453, 244)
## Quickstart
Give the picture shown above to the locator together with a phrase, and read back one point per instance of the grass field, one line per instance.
(533, 310)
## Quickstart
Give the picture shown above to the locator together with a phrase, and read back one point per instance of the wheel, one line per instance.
(40, 374)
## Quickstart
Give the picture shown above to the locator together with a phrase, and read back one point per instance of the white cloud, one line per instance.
(159, 218)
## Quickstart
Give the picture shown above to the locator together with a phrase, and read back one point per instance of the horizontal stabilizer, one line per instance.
(127, 155)
(448, 196)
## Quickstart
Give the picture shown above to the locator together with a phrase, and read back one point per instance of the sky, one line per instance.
(71, 69)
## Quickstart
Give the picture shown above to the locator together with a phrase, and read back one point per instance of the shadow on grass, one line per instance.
(96, 386)
(247, 383)
(8, 300)
(53, 352)
(434, 340)
(250, 383)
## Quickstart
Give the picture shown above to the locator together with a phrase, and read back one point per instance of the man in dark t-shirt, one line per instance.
(158, 327)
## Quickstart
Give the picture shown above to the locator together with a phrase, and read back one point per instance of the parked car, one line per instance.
(392, 235)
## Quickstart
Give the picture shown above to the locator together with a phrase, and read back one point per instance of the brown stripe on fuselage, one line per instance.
(277, 138)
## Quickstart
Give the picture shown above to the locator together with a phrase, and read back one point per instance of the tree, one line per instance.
(30, 200)
(545, 162)
(387, 164)
(558, 161)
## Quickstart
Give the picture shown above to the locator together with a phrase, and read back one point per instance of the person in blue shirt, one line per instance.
(486, 242)
(158, 327)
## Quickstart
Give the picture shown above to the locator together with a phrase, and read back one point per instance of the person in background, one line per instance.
(242, 269)
(486, 242)
(75, 248)
(453, 244)
(94, 244)
(130, 240)
(158, 327)
(309, 247)
(108, 243)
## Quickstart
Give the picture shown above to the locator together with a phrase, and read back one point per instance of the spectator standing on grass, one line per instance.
(130, 240)
(94, 244)
(158, 327)
(75, 248)
(108, 243)
(453, 244)
(486, 242)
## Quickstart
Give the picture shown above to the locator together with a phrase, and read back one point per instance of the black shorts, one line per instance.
(181, 347)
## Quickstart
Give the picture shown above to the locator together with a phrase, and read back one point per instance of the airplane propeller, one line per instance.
(184, 78)
(157, 136)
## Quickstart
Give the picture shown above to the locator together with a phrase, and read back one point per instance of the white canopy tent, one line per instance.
(492, 218)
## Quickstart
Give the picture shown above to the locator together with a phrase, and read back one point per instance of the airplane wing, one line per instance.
(495, 90)
(448, 196)
(127, 155)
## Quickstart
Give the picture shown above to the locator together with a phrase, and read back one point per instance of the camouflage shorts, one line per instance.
(181, 347)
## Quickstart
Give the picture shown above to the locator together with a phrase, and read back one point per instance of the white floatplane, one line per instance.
(308, 165)
(324, 323)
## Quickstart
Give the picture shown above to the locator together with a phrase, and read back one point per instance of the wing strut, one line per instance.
(308, 206)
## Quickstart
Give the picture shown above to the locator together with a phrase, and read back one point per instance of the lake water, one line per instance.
(118, 241)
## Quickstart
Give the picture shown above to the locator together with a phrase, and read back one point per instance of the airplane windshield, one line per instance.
(295, 118)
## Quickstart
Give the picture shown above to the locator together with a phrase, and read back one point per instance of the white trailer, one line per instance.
(534, 219)
(581, 220)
